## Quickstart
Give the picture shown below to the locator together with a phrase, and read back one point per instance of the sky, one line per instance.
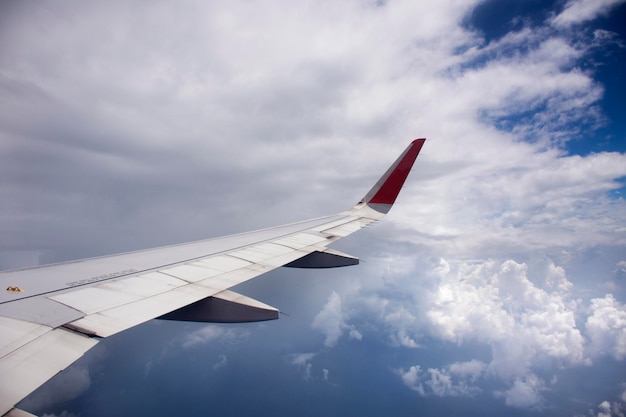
(495, 286)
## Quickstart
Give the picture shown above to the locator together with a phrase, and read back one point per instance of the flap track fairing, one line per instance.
(225, 307)
(324, 259)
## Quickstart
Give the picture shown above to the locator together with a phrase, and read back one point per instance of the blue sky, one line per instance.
(495, 286)
(494, 19)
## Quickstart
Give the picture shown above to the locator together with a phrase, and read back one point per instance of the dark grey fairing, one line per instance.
(217, 310)
(324, 259)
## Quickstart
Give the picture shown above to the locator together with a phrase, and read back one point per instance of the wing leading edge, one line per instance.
(51, 315)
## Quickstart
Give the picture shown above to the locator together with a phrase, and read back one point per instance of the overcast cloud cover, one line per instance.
(495, 286)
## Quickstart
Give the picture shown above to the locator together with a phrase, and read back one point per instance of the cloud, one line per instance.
(147, 369)
(528, 202)
(212, 333)
(355, 334)
(331, 322)
(303, 362)
(606, 327)
(470, 369)
(498, 305)
(620, 271)
(525, 314)
(221, 363)
(175, 109)
(302, 358)
(579, 11)
(453, 381)
(525, 393)
(411, 378)
(611, 409)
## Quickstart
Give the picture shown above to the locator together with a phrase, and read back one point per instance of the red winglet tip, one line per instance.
(392, 181)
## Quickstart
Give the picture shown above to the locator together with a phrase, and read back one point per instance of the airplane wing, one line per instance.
(51, 315)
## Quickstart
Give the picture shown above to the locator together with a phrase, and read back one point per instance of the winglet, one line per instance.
(384, 193)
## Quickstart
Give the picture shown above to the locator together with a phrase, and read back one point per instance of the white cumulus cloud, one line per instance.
(606, 327)
(527, 317)
(525, 392)
(498, 304)
(578, 11)
(454, 380)
(331, 322)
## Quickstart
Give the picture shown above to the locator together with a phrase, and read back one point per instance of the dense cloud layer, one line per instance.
(533, 326)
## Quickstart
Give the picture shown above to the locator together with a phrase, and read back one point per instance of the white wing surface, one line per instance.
(51, 315)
